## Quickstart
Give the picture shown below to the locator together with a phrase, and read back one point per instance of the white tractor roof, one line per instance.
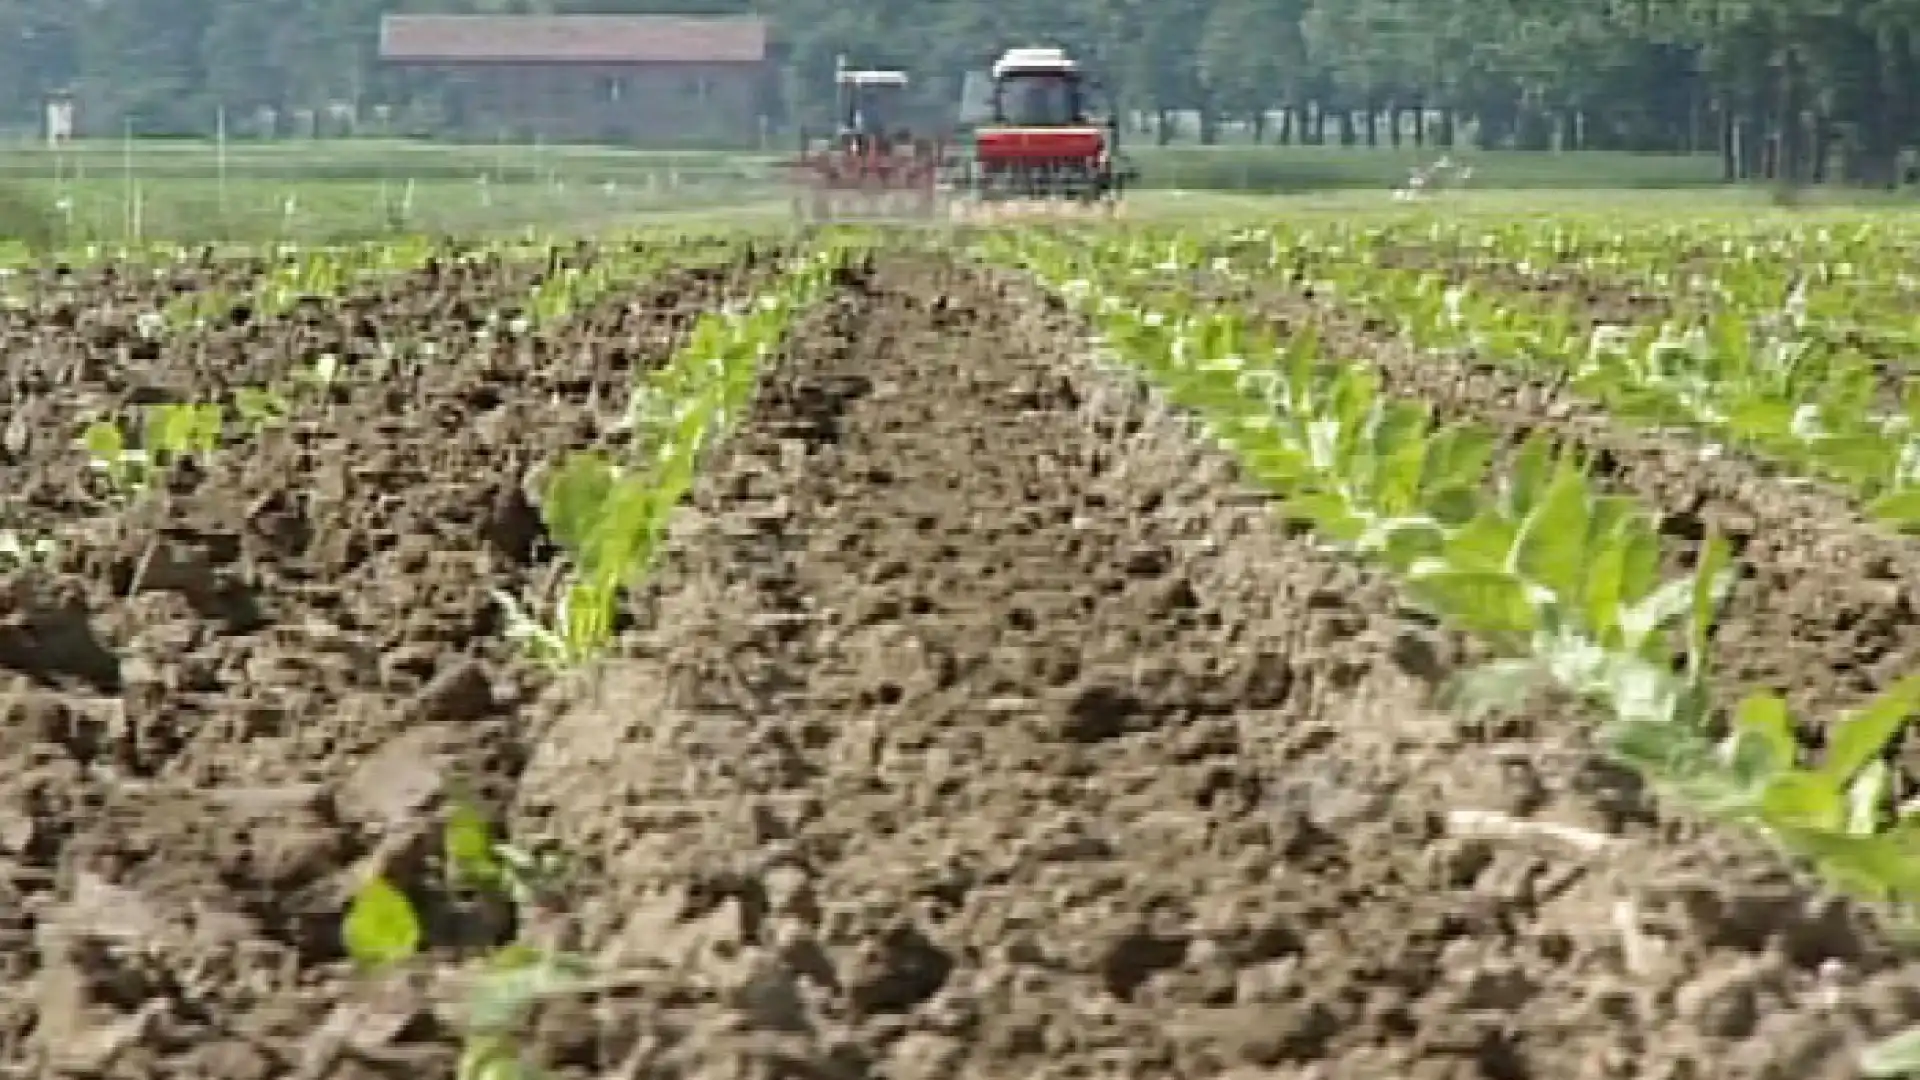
(873, 77)
(1034, 59)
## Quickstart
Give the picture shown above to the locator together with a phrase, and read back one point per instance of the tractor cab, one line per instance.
(872, 108)
(1041, 130)
(1039, 125)
(1038, 88)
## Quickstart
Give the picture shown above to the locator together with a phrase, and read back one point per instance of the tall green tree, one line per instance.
(1787, 89)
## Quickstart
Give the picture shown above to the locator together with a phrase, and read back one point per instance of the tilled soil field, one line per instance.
(92, 340)
(988, 728)
(228, 700)
(977, 725)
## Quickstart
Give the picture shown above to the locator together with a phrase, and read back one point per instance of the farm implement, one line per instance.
(1038, 148)
(874, 167)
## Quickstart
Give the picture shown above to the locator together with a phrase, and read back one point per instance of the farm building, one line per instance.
(637, 79)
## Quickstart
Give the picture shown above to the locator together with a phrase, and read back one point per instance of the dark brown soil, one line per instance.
(978, 726)
(227, 701)
(989, 729)
(94, 342)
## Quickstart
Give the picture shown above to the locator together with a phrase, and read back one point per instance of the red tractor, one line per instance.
(1037, 138)
(874, 165)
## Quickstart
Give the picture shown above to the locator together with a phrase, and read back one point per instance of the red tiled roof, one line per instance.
(577, 39)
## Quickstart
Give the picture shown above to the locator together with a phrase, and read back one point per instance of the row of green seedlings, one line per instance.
(14, 253)
(569, 287)
(298, 273)
(304, 273)
(1858, 268)
(1561, 579)
(1853, 276)
(610, 515)
(132, 457)
(1764, 383)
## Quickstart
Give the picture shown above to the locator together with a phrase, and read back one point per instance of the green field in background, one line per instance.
(1235, 167)
(336, 191)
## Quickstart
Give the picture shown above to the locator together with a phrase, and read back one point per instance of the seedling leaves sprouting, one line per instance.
(381, 927)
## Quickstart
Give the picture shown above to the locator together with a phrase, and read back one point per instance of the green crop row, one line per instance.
(1846, 282)
(609, 512)
(1755, 381)
(1562, 580)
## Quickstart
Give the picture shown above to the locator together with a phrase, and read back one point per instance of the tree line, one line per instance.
(1801, 90)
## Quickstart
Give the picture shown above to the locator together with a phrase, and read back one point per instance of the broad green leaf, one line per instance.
(1602, 381)
(589, 615)
(1276, 466)
(1868, 794)
(1760, 418)
(1551, 547)
(467, 842)
(1645, 405)
(1640, 561)
(1710, 579)
(104, 442)
(1901, 509)
(1640, 622)
(1481, 544)
(381, 928)
(1327, 513)
(1485, 602)
(1640, 691)
(1860, 735)
(1608, 514)
(1453, 506)
(1235, 432)
(1713, 792)
(1531, 471)
(515, 982)
(1400, 446)
(1667, 752)
(574, 500)
(1893, 1058)
(1303, 351)
(1409, 541)
(1732, 352)
(1763, 737)
(1457, 456)
(1355, 393)
(160, 431)
(1859, 459)
(1605, 584)
(1495, 686)
(1803, 800)
(1878, 866)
